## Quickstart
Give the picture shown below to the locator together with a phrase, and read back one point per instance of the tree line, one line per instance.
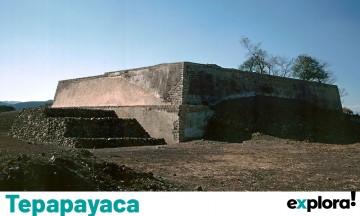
(6, 108)
(304, 67)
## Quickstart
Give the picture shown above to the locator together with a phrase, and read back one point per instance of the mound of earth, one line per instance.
(73, 170)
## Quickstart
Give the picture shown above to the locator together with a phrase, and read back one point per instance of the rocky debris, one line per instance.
(81, 128)
(73, 170)
(7, 119)
(199, 188)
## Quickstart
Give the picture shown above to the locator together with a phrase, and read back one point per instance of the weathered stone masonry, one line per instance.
(175, 101)
(80, 128)
(210, 84)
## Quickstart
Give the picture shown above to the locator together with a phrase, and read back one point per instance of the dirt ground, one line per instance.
(26, 166)
(263, 163)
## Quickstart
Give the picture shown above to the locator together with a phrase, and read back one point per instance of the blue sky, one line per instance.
(44, 41)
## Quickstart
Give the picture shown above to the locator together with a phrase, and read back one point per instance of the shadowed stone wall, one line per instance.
(236, 120)
(211, 84)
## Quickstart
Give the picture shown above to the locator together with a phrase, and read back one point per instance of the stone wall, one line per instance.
(173, 123)
(187, 83)
(81, 128)
(158, 121)
(156, 85)
(236, 120)
(193, 121)
(210, 84)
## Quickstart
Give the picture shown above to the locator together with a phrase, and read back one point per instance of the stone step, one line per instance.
(80, 128)
(114, 142)
(104, 127)
(79, 112)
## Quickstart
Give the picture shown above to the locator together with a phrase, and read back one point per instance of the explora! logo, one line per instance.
(310, 204)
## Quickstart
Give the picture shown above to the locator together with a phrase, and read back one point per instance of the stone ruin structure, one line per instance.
(187, 101)
(80, 128)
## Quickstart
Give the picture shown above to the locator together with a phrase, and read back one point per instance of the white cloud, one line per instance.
(354, 108)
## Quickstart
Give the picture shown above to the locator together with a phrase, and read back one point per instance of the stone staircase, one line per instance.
(80, 128)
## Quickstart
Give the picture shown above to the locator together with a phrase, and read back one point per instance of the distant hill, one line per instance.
(31, 104)
(11, 102)
(28, 104)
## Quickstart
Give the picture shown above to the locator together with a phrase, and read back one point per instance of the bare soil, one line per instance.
(263, 163)
(25, 166)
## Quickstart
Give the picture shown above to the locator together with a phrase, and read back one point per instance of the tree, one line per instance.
(5, 108)
(304, 67)
(284, 65)
(309, 68)
(260, 61)
(343, 93)
(257, 55)
(251, 65)
(347, 111)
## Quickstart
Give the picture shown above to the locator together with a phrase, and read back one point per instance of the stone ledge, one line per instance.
(114, 142)
(78, 112)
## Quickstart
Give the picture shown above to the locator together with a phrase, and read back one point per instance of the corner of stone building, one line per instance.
(338, 98)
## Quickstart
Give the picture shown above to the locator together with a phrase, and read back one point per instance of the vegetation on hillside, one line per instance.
(6, 108)
(28, 104)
